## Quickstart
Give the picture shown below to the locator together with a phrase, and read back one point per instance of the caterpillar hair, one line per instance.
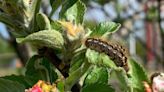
(114, 51)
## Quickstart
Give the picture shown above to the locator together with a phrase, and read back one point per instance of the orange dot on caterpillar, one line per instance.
(115, 52)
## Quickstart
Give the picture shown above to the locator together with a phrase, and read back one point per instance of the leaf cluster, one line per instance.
(65, 37)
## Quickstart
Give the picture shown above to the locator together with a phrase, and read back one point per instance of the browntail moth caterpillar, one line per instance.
(115, 52)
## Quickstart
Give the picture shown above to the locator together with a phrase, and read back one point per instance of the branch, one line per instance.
(51, 56)
(21, 50)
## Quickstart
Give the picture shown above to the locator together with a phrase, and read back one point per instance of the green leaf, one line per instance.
(51, 70)
(77, 61)
(10, 86)
(138, 75)
(92, 56)
(76, 75)
(7, 20)
(41, 69)
(105, 27)
(35, 70)
(99, 59)
(14, 8)
(118, 74)
(66, 5)
(97, 75)
(43, 21)
(55, 5)
(10, 22)
(76, 12)
(55, 25)
(34, 9)
(47, 38)
(97, 87)
(27, 82)
(60, 86)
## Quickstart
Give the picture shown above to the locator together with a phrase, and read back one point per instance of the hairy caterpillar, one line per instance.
(115, 52)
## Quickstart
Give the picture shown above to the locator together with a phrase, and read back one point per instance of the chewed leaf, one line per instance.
(105, 27)
(47, 38)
